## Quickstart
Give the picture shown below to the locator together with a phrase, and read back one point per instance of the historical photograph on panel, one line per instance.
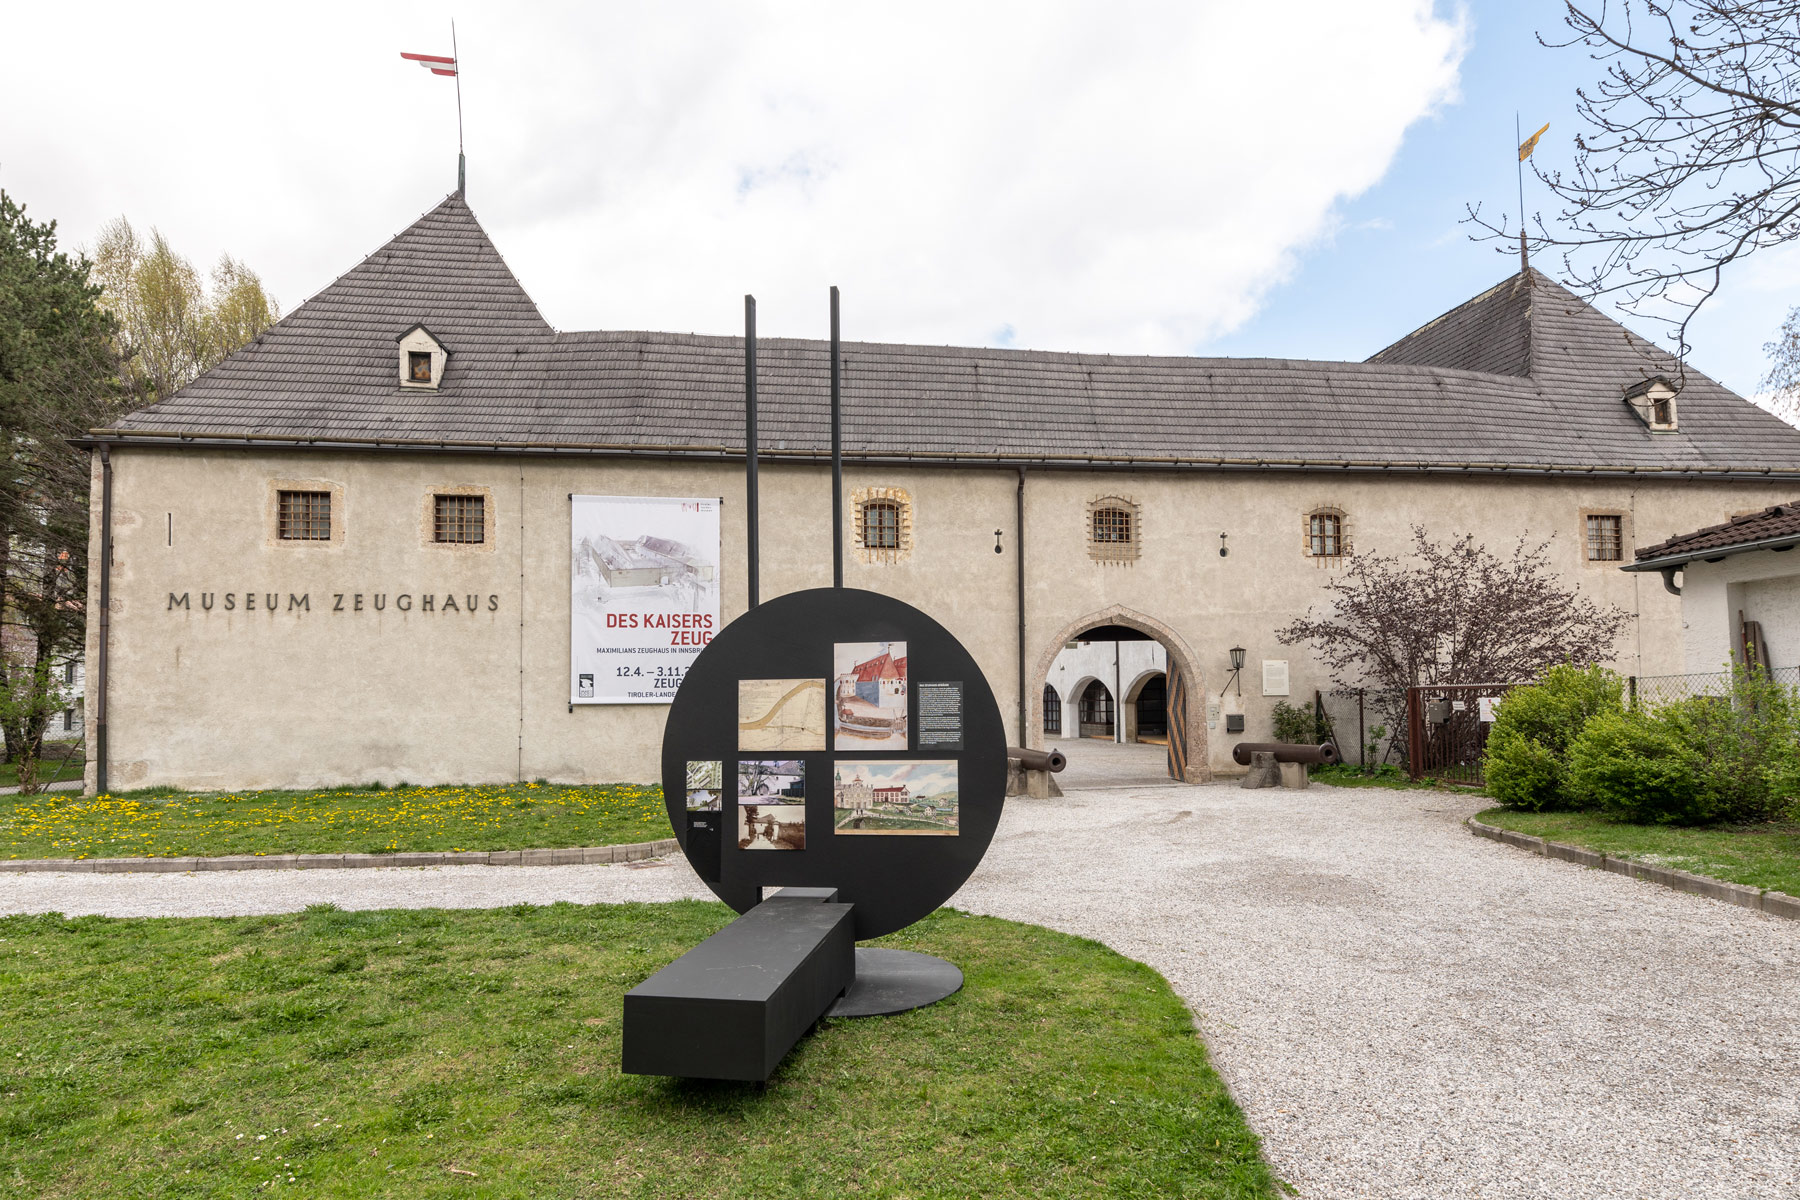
(771, 826)
(644, 594)
(895, 797)
(705, 786)
(771, 781)
(781, 714)
(868, 699)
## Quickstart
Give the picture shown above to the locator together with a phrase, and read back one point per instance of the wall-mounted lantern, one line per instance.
(1237, 670)
(1223, 549)
(997, 549)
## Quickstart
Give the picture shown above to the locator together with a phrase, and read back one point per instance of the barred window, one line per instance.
(304, 516)
(459, 519)
(1052, 711)
(881, 525)
(1325, 534)
(1605, 538)
(1112, 526)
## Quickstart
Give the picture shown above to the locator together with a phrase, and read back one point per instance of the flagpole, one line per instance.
(1518, 140)
(460, 164)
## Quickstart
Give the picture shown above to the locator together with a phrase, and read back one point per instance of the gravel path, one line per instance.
(1404, 1011)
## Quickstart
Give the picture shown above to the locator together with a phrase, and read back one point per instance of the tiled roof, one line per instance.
(1779, 522)
(1524, 376)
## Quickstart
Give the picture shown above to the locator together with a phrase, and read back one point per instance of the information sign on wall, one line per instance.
(644, 594)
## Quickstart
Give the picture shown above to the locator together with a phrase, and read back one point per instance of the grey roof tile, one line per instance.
(1523, 374)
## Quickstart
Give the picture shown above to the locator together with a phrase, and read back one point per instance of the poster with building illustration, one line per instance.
(895, 797)
(868, 696)
(644, 594)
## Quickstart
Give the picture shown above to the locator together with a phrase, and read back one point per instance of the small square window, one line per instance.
(1112, 526)
(1325, 535)
(881, 525)
(1605, 538)
(418, 366)
(304, 516)
(459, 519)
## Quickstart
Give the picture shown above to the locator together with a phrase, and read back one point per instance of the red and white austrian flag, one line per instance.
(437, 64)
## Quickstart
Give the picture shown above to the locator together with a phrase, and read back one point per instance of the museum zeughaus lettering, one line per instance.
(413, 532)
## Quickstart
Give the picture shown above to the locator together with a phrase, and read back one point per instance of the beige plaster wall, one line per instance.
(1763, 585)
(303, 697)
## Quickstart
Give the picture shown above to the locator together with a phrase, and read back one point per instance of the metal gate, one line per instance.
(1447, 730)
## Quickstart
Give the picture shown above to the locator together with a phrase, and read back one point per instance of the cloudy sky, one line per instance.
(1130, 177)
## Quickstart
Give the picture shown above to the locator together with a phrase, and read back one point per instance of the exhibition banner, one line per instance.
(644, 594)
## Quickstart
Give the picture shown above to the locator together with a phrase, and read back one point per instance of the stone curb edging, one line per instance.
(1776, 904)
(575, 856)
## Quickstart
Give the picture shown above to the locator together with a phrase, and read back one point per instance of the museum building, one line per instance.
(344, 555)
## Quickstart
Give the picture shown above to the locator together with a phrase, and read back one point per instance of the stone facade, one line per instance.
(349, 676)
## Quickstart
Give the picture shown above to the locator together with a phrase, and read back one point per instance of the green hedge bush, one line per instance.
(1527, 762)
(1638, 768)
(1748, 746)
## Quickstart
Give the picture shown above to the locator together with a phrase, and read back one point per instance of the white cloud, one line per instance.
(1121, 177)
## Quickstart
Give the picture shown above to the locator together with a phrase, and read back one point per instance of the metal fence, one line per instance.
(1653, 691)
(1351, 718)
(1447, 730)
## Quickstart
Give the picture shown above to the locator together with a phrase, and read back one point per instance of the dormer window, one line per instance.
(422, 359)
(1653, 400)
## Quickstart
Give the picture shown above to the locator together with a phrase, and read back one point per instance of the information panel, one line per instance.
(644, 594)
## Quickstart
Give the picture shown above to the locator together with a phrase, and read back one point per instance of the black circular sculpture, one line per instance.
(892, 868)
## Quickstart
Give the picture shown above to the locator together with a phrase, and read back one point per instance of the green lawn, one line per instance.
(344, 820)
(57, 764)
(1762, 856)
(437, 1053)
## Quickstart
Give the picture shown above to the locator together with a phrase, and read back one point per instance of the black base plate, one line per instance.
(894, 981)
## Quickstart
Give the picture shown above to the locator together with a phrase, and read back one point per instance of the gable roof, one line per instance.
(1773, 528)
(1524, 377)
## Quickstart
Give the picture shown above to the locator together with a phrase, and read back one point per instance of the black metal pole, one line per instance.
(106, 505)
(837, 450)
(750, 441)
(1019, 554)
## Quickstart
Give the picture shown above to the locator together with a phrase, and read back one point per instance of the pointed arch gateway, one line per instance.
(1188, 760)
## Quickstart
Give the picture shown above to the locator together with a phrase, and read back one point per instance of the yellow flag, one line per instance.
(1530, 143)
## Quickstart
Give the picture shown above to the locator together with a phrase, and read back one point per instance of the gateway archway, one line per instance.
(1184, 705)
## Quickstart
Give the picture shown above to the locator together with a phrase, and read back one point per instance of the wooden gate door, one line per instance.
(1178, 727)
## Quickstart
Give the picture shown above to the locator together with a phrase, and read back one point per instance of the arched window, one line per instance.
(1096, 710)
(881, 525)
(1114, 532)
(1052, 711)
(1327, 534)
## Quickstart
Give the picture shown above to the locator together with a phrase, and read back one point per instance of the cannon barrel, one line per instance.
(1038, 760)
(1292, 752)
